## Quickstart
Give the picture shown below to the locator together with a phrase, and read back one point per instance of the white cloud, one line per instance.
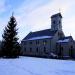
(35, 16)
(39, 18)
(2, 9)
(69, 26)
(2, 6)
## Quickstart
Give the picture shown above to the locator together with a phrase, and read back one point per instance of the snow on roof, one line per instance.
(47, 32)
(61, 41)
(40, 37)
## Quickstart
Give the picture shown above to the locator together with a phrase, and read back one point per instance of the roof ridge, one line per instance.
(46, 32)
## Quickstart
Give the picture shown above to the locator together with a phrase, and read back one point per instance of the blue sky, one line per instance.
(34, 15)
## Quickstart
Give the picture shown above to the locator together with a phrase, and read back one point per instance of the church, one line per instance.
(50, 42)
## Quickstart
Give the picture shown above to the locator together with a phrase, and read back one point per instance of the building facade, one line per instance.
(49, 42)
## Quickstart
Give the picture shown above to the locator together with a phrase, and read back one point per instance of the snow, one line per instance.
(36, 66)
(65, 40)
(40, 37)
(53, 55)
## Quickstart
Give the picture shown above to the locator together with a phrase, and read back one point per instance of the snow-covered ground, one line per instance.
(36, 66)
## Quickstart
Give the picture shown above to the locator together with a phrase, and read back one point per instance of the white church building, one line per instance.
(49, 42)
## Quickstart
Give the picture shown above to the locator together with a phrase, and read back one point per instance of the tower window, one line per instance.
(59, 34)
(59, 22)
(53, 22)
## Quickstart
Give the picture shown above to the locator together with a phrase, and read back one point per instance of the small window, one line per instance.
(30, 42)
(25, 43)
(71, 52)
(37, 42)
(44, 49)
(62, 48)
(44, 42)
(30, 49)
(25, 49)
(37, 50)
(71, 47)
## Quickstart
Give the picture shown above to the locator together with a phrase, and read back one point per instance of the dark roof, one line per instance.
(47, 32)
(55, 15)
(68, 37)
(64, 39)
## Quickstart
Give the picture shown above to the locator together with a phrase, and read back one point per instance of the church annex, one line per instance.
(49, 42)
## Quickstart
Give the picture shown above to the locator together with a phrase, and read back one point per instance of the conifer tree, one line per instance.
(10, 45)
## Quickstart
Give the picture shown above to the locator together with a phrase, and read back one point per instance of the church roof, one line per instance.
(48, 33)
(64, 39)
(55, 15)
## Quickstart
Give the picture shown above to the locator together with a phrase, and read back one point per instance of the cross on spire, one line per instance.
(59, 10)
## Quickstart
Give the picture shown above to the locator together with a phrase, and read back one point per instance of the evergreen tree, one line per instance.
(10, 46)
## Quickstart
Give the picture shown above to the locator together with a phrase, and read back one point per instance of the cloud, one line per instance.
(2, 21)
(69, 26)
(4, 15)
(34, 15)
(2, 6)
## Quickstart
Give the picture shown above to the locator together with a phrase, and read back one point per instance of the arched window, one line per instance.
(30, 42)
(60, 54)
(44, 42)
(37, 50)
(25, 49)
(71, 51)
(59, 21)
(71, 47)
(44, 49)
(30, 49)
(37, 41)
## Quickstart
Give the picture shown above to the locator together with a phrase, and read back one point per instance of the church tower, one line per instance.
(56, 22)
